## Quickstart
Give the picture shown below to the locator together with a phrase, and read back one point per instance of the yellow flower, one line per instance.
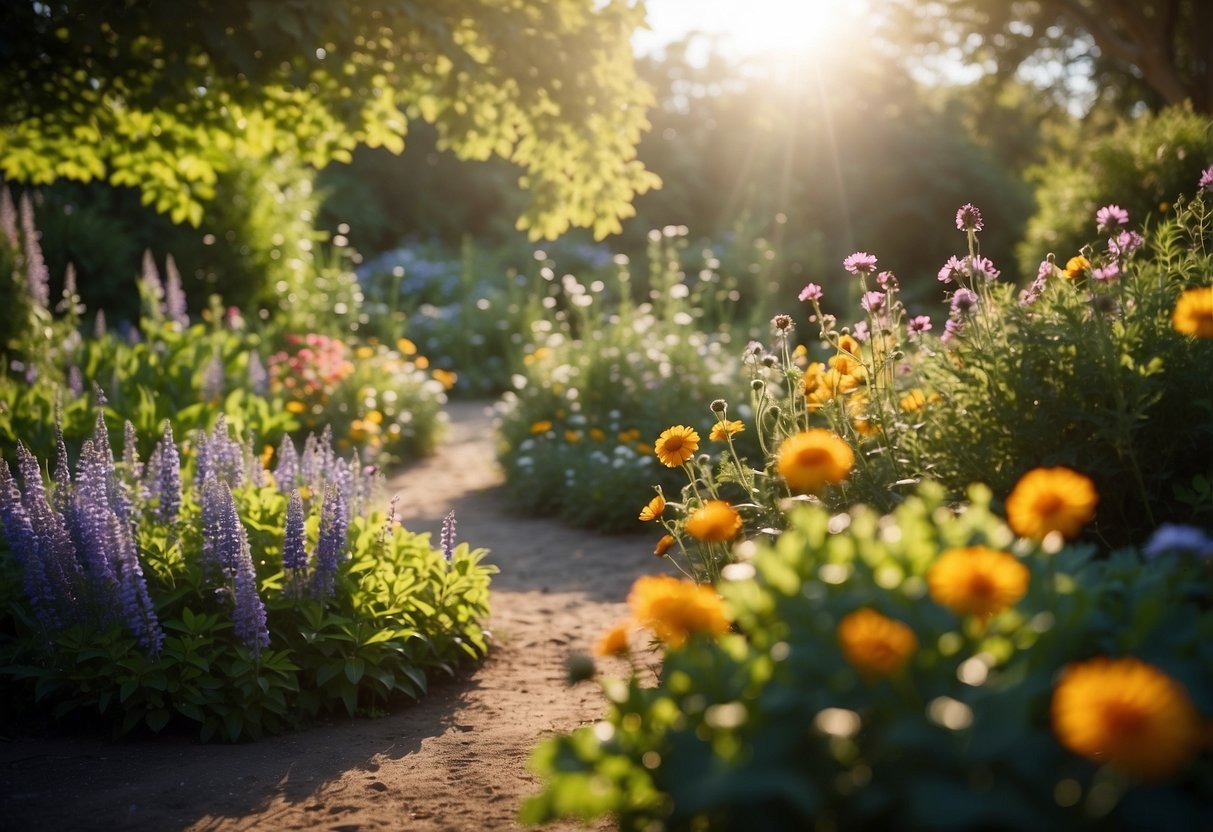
(875, 645)
(422, 362)
(663, 545)
(913, 401)
(267, 453)
(374, 417)
(446, 378)
(295, 406)
(572, 436)
(406, 346)
(977, 580)
(597, 434)
(364, 352)
(846, 365)
(813, 459)
(1127, 713)
(1051, 500)
(849, 344)
(676, 609)
(721, 431)
(614, 642)
(654, 509)
(644, 448)
(1077, 266)
(714, 521)
(676, 445)
(1193, 314)
(542, 426)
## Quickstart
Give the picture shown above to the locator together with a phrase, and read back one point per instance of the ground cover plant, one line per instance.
(219, 594)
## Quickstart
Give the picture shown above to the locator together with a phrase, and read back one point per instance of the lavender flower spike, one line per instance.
(294, 546)
(35, 266)
(448, 536)
(174, 296)
(8, 218)
(330, 548)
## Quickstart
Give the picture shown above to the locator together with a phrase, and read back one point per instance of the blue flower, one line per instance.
(1173, 537)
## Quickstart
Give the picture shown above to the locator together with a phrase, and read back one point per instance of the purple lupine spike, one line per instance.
(447, 537)
(390, 522)
(286, 474)
(87, 524)
(130, 451)
(99, 327)
(248, 616)
(219, 456)
(61, 498)
(175, 308)
(69, 300)
(258, 378)
(294, 544)
(213, 378)
(330, 548)
(220, 540)
(162, 477)
(227, 542)
(8, 218)
(310, 461)
(75, 381)
(151, 287)
(135, 602)
(37, 274)
(23, 540)
(55, 549)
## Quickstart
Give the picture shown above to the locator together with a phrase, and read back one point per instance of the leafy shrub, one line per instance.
(1143, 165)
(601, 379)
(852, 694)
(244, 603)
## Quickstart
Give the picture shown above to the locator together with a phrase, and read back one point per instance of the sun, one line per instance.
(774, 27)
(757, 28)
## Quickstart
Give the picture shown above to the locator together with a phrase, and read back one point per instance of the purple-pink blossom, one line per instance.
(968, 218)
(918, 325)
(1109, 216)
(873, 302)
(860, 263)
(860, 332)
(964, 300)
(1125, 243)
(1107, 272)
(1206, 179)
(952, 271)
(811, 292)
(983, 267)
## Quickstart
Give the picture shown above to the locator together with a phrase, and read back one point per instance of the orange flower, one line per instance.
(542, 426)
(675, 609)
(663, 545)
(1077, 266)
(294, 406)
(977, 580)
(913, 401)
(813, 459)
(1193, 314)
(714, 521)
(1051, 500)
(875, 645)
(848, 343)
(721, 431)
(654, 509)
(614, 642)
(676, 445)
(1127, 713)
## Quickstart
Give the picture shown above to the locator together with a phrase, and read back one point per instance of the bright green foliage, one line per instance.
(399, 614)
(1142, 165)
(164, 98)
(770, 727)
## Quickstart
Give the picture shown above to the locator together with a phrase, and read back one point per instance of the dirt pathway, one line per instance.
(455, 761)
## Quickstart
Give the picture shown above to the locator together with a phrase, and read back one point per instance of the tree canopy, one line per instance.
(1155, 51)
(163, 96)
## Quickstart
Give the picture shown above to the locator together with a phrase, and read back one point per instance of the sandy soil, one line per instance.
(455, 761)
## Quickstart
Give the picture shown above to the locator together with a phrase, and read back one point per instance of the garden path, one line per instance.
(455, 761)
